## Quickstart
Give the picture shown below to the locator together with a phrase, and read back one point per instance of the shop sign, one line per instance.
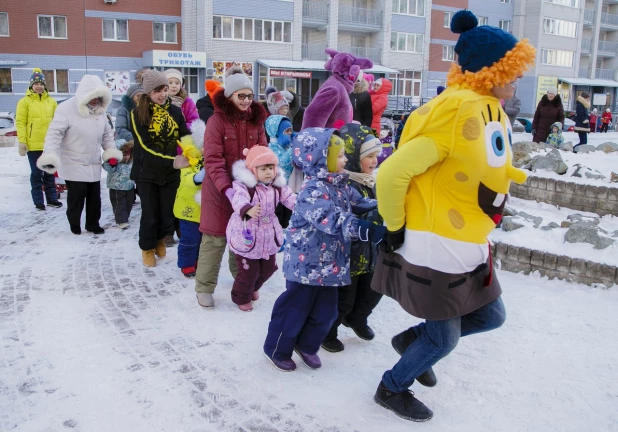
(544, 83)
(160, 58)
(289, 73)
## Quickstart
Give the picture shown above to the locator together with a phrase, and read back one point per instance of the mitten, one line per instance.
(189, 150)
(199, 177)
(181, 162)
(394, 239)
(229, 193)
(113, 162)
(23, 149)
(368, 231)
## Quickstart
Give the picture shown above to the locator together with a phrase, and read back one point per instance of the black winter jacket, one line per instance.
(205, 108)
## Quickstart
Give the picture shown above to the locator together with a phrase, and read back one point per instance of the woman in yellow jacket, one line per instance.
(34, 114)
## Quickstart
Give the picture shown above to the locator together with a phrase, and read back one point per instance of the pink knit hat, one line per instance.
(258, 156)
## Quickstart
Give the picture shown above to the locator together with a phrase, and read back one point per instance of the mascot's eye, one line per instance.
(495, 144)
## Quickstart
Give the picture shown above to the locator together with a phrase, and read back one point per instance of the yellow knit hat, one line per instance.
(335, 146)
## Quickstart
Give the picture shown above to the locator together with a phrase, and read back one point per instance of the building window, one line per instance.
(6, 83)
(115, 30)
(505, 1)
(407, 83)
(52, 26)
(191, 75)
(560, 27)
(557, 57)
(164, 32)
(448, 53)
(570, 3)
(447, 19)
(57, 81)
(409, 7)
(407, 42)
(4, 24)
(505, 25)
(483, 20)
(251, 29)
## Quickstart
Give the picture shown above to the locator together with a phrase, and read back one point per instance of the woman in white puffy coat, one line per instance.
(73, 148)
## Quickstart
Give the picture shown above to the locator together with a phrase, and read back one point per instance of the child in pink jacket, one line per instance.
(179, 96)
(254, 233)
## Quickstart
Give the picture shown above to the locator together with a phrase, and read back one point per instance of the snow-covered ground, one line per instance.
(93, 341)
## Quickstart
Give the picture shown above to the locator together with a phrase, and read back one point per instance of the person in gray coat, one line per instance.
(512, 107)
(129, 101)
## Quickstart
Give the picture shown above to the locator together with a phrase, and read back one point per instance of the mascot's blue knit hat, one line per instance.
(479, 46)
(37, 77)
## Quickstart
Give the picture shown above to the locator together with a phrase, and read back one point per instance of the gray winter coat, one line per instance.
(512, 107)
(122, 119)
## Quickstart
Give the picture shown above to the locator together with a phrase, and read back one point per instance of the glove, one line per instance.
(586, 121)
(229, 193)
(199, 177)
(368, 231)
(113, 162)
(189, 150)
(23, 149)
(394, 239)
(181, 162)
(364, 207)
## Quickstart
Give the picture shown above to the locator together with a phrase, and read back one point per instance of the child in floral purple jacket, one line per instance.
(253, 232)
(317, 252)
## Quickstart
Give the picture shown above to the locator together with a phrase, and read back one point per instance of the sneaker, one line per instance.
(189, 272)
(160, 249)
(255, 296)
(364, 332)
(333, 345)
(40, 206)
(123, 225)
(404, 404)
(282, 365)
(248, 307)
(96, 230)
(312, 361)
(76, 229)
(55, 204)
(205, 300)
(148, 257)
(400, 343)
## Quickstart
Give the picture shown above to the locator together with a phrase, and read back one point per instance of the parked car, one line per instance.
(526, 122)
(569, 125)
(8, 131)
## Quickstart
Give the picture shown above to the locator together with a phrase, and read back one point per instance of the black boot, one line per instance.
(363, 332)
(404, 404)
(56, 204)
(400, 343)
(333, 345)
(76, 229)
(96, 230)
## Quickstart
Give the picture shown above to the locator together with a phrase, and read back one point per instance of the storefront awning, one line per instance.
(590, 82)
(316, 65)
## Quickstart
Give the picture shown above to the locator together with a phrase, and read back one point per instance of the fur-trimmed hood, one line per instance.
(361, 86)
(244, 175)
(581, 100)
(128, 103)
(257, 115)
(558, 125)
(91, 87)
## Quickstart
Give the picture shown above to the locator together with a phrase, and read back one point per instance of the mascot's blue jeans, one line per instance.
(436, 339)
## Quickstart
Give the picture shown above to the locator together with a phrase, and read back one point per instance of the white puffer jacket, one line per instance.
(77, 133)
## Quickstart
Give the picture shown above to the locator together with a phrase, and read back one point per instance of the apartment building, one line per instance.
(577, 45)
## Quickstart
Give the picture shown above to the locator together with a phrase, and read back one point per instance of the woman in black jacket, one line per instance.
(361, 103)
(582, 119)
(158, 128)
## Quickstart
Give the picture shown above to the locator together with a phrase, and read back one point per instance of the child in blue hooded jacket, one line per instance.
(121, 187)
(317, 253)
(279, 129)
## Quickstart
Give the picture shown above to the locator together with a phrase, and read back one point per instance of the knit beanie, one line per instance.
(174, 73)
(283, 126)
(134, 89)
(552, 90)
(37, 77)
(153, 79)
(369, 146)
(274, 101)
(334, 148)
(236, 79)
(258, 156)
(212, 87)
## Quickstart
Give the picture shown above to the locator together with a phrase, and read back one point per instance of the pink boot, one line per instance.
(246, 307)
(255, 296)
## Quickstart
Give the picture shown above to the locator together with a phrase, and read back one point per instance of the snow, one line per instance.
(93, 341)
(553, 240)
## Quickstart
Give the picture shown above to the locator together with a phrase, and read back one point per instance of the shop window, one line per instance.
(52, 26)
(115, 30)
(6, 83)
(57, 80)
(4, 24)
(164, 32)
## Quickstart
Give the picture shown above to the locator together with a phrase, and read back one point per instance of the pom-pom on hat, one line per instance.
(212, 87)
(37, 77)
(440, 89)
(236, 79)
(258, 156)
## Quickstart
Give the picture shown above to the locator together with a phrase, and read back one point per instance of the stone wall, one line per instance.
(602, 200)
(523, 260)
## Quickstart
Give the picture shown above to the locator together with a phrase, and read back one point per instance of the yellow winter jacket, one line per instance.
(185, 206)
(33, 116)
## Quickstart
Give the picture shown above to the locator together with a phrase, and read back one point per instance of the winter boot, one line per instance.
(255, 296)
(312, 361)
(248, 307)
(333, 345)
(400, 343)
(404, 404)
(363, 332)
(123, 225)
(160, 249)
(76, 229)
(96, 230)
(189, 272)
(40, 206)
(56, 204)
(148, 257)
(287, 365)
(205, 300)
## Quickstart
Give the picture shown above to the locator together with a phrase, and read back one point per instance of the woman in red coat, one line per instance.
(237, 124)
(606, 119)
(379, 100)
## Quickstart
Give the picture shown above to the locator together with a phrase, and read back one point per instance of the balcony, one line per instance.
(360, 19)
(588, 17)
(604, 74)
(313, 51)
(607, 49)
(583, 72)
(609, 21)
(373, 54)
(586, 46)
(315, 13)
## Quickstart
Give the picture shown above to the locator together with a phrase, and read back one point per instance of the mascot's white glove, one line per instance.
(112, 154)
(48, 162)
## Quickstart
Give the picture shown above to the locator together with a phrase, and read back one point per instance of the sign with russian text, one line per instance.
(544, 83)
(173, 59)
(289, 73)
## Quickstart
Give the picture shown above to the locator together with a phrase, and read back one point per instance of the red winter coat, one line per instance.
(379, 102)
(606, 118)
(228, 133)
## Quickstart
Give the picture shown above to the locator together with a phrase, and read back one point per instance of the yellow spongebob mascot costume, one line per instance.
(440, 195)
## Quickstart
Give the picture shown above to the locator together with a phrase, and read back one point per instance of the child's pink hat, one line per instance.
(258, 156)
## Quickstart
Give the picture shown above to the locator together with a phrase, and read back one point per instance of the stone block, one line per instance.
(550, 261)
(512, 253)
(602, 192)
(578, 266)
(563, 264)
(606, 272)
(610, 206)
(591, 191)
(570, 188)
(542, 183)
(582, 201)
(501, 250)
(593, 270)
(560, 186)
(612, 194)
(516, 267)
(550, 274)
(534, 182)
(580, 189)
(536, 259)
(551, 184)
(524, 255)
(537, 194)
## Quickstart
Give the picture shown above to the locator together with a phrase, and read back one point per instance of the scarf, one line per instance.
(362, 178)
(163, 129)
(177, 100)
